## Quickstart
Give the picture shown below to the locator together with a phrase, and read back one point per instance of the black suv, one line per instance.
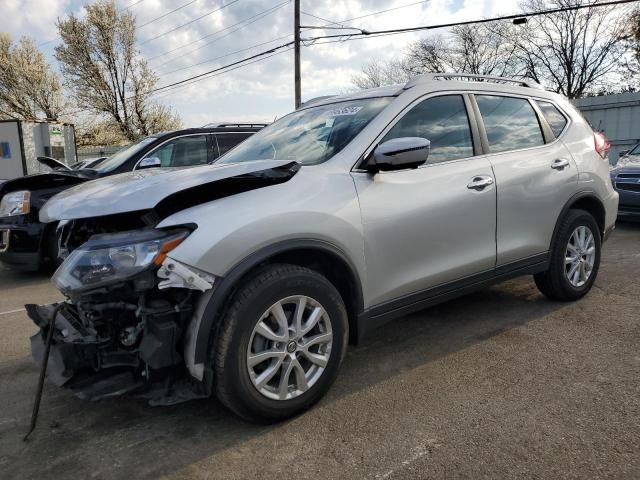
(27, 244)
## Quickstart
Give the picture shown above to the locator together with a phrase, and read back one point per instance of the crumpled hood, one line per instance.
(146, 189)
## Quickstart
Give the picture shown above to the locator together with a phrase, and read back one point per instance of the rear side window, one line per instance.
(441, 120)
(511, 123)
(556, 120)
(226, 141)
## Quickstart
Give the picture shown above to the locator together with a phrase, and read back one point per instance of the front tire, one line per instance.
(281, 344)
(575, 258)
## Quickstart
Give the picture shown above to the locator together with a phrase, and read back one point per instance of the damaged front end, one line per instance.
(123, 327)
(131, 320)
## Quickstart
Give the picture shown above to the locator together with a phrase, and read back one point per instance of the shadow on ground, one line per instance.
(125, 438)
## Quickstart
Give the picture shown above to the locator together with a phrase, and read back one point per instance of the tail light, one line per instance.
(602, 144)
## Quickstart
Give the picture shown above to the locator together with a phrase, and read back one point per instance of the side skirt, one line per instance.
(380, 314)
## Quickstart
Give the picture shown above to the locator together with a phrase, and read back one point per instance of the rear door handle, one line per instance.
(480, 182)
(560, 163)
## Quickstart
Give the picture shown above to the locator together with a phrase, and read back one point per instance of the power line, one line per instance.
(356, 36)
(211, 42)
(342, 22)
(58, 36)
(331, 22)
(395, 31)
(268, 10)
(166, 14)
(189, 22)
(168, 91)
(473, 22)
(257, 55)
(211, 60)
(133, 4)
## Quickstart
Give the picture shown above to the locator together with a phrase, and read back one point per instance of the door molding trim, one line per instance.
(384, 312)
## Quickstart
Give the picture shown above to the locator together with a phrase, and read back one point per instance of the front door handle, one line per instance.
(480, 182)
(560, 163)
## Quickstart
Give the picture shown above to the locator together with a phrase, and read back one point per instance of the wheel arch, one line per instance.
(318, 255)
(587, 201)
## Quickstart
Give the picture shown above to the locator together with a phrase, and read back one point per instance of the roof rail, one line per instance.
(234, 125)
(314, 100)
(470, 77)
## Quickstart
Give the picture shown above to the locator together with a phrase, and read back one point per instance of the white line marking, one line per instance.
(12, 311)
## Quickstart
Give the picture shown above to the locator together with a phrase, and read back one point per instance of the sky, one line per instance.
(263, 90)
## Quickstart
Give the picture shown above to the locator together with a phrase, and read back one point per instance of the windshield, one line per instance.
(635, 150)
(630, 159)
(123, 155)
(309, 136)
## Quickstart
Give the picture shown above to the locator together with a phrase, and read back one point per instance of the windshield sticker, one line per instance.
(329, 122)
(337, 112)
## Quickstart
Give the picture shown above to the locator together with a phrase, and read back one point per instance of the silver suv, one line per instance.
(247, 279)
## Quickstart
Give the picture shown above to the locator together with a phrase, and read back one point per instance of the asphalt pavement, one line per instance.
(502, 383)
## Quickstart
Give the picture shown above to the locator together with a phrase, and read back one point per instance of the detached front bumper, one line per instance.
(76, 356)
(96, 363)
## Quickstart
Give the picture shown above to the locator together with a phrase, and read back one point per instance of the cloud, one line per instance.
(35, 18)
(264, 89)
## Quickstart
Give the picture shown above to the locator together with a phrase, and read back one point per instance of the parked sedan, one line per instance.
(27, 244)
(625, 177)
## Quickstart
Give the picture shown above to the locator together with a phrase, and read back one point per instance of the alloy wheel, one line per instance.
(580, 256)
(289, 347)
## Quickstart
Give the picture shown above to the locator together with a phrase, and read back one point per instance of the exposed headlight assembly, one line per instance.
(110, 258)
(15, 203)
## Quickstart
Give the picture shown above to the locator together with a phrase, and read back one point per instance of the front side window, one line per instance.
(121, 157)
(182, 152)
(309, 136)
(553, 116)
(511, 123)
(441, 120)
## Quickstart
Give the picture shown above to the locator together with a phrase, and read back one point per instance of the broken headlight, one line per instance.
(15, 203)
(114, 257)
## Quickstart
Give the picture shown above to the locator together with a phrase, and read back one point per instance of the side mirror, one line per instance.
(149, 162)
(400, 153)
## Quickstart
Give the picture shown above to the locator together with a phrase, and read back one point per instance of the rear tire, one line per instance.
(574, 260)
(261, 320)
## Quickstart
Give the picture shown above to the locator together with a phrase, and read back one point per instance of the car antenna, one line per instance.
(43, 371)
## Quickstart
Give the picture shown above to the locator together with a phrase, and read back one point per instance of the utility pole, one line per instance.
(296, 50)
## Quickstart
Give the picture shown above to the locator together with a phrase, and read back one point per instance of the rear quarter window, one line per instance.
(554, 117)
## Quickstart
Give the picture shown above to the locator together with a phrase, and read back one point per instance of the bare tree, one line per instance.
(377, 74)
(477, 49)
(105, 72)
(480, 50)
(631, 40)
(29, 89)
(572, 52)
